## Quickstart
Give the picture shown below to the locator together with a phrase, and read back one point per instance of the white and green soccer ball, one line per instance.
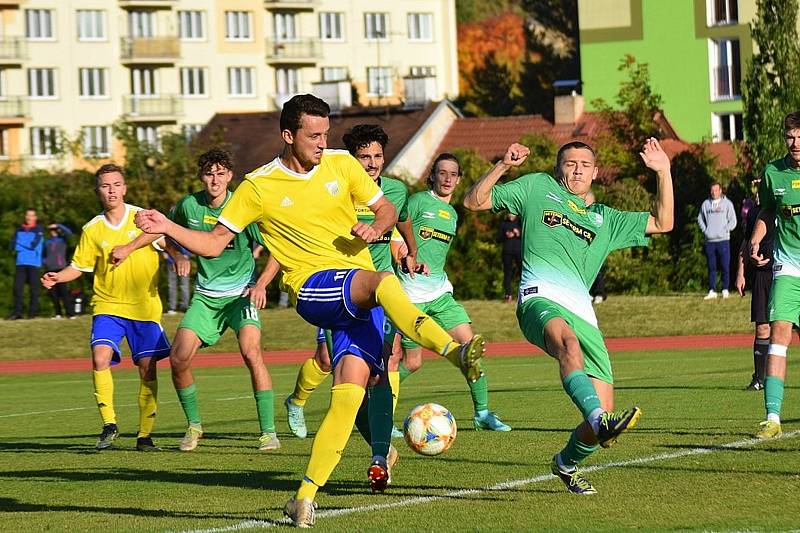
(429, 429)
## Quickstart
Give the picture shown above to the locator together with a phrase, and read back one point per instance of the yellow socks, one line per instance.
(104, 395)
(331, 438)
(394, 382)
(308, 379)
(415, 324)
(148, 394)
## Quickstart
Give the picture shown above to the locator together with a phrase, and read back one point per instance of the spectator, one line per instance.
(509, 234)
(173, 280)
(27, 244)
(717, 219)
(55, 259)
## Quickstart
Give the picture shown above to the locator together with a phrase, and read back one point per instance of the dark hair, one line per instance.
(791, 121)
(444, 156)
(715, 184)
(362, 135)
(571, 145)
(302, 104)
(215, 156)
(108, 168)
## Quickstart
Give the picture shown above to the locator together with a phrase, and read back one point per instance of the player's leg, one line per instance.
(107, 333)
(184, 347)
(311, 374)
(759, 314)
(250, 347)
(148, 345)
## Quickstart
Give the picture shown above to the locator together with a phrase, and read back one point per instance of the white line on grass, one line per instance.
(505, 485)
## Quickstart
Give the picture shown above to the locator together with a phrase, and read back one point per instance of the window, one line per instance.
(722, 12)
(379, 81)
(142, 24)
(147, 135)
(42, 83)
(422, 72)
(727, 126)
(287, 81)
(420, 26)
(334, 73)
(725, 69)
(240, 81)
(285, 27)
(95, 141)
(144, 82)
(44, 141)
(376, 26)
(190, 131)
(93, 82)
(91, 25)
(39, 24)
(238, 26)
(190, 25)
(194, 81)
(4, 143)
(331, 26)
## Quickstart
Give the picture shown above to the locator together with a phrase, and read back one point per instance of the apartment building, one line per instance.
(697, 51)
(70, 68)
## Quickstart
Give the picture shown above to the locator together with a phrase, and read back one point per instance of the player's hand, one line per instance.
(49, 280)
(515, 155)
(408, 263)
(118, 255)
(181, 266)
(151, 221)
(257, 295)
(366, 232)
(756, 257)
(740, 284)
(654, 157)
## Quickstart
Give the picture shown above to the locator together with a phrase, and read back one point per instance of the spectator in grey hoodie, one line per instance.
(717, 219)
(55, 259)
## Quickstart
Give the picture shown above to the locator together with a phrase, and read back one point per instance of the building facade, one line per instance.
(697, 52)
(70, 68)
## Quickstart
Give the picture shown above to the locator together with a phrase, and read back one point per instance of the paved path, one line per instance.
(494, 349)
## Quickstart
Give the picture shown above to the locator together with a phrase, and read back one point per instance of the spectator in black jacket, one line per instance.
(55, 259)
(509, 234)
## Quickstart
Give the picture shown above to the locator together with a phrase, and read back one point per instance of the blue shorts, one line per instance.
(324, 301)
(145, 338)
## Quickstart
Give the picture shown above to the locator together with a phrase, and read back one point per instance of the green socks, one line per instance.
(188, 399)
(773, 395)
(581, 391)
(265, 407)
(575, 452)
(380, 418)
(479, 390)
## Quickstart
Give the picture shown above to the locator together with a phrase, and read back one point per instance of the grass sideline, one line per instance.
(620, 316)
(54, 480)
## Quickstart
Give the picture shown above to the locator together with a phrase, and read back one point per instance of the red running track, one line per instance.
(493, 349)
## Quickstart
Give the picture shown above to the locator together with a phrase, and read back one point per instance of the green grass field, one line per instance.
(676, 472)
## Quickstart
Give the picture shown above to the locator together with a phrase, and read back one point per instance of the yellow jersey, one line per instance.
(131, 289)
(306, 219)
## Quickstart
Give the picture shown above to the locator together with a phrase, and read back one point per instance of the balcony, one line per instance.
(11, 4)
(301, 51)
(146, 4)
(13, 51)
(150, 50)
(163, 108)
(14, 110)
(297, 5)
(725, 83)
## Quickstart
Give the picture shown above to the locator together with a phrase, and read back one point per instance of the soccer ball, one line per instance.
(429, 429)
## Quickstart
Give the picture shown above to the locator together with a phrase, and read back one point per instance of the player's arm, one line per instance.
(180, 261)
(385, 219)
(202, 243)
(120, 253)
(759, 230)
(65, 275)
(656, 159)
(740, 267)
(258, 292)
(479, 197)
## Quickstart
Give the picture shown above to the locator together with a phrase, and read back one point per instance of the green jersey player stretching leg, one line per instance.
(564, 244)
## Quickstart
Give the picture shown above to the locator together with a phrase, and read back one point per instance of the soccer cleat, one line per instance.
(295, 418)
(489, 420)
(378, 475)
(396, 433)
(268, 441)
(574, 481)
(190, 441)
(769, 430)
(615, 423)
(755, 385)
(145, 444)
(469, 355)
(300, 512)
(106, 439)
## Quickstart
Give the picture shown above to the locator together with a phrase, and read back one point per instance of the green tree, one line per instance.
(770, 88)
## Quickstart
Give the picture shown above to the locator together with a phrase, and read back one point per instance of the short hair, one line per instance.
(791, 121)
(362, 135)
(108, 168)
(715, 184)
(215, 156)
(302, 104)
(573, 145)
(444, 156)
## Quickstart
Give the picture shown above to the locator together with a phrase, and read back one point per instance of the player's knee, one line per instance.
(412, 365)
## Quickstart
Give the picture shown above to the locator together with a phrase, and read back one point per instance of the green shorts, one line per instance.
(784, 299)
(534, 314)
(209, 317)
(445, 311)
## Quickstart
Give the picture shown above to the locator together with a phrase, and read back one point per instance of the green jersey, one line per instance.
(564, 243)
(434, 222)
(396, 192)
(234, 269)
(780, 192)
